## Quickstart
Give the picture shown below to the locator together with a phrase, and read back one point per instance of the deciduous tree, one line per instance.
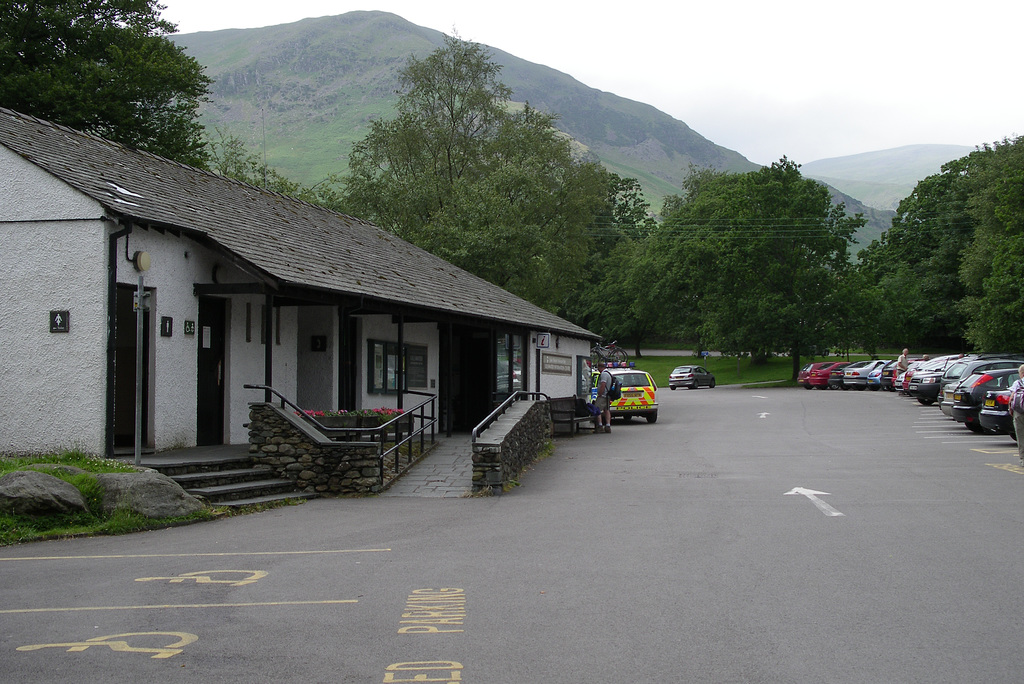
(759, 254)
(106, 67)
(485, 183)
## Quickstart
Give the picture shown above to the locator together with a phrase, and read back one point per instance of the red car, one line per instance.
(817, 374)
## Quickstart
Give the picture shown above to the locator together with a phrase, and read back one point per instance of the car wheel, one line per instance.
(808, 387)
(845, 388)
(975, 428)
(652, 417)
(861, 388)
(672, 387)
(925, 402)
(874, 388)
(712, 385)
(626, 419)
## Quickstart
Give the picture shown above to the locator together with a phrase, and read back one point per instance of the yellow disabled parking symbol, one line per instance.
(234, 578)
(118, 642)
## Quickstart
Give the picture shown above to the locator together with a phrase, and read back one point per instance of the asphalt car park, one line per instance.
(751, 534)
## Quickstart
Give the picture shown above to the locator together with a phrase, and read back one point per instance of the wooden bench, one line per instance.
(563, 412)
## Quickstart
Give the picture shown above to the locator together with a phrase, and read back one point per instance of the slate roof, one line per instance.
(292, 242)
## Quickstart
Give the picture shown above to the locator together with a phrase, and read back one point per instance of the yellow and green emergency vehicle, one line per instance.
(638, 393)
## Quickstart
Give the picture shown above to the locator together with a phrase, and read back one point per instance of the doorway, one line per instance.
(210, 380)
(472, 377)
(125, 349)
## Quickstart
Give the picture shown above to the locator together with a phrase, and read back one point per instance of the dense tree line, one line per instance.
(949, 271)
(756, 263)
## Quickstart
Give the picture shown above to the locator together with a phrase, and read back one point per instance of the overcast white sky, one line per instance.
(809, 79)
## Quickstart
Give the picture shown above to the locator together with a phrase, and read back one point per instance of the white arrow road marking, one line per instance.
(763, 415)
(813, 496)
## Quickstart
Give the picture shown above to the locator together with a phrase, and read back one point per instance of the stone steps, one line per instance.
(223, 476)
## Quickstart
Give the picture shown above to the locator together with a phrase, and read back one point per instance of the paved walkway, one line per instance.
(446, 473)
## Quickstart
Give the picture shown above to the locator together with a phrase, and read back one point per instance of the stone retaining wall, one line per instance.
(314, 463)
(510, 444)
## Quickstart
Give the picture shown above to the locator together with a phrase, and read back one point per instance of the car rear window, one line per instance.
(634, 380)
(684, 369)
(955, 371)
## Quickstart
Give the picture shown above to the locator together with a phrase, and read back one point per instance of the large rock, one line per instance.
(27, 492)
(147, 493)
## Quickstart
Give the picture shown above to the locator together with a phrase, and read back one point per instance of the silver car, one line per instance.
(856, 374)
(690, 376)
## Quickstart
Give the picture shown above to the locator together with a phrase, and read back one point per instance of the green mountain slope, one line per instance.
(310, 89)
(881, 179)
(314, 86)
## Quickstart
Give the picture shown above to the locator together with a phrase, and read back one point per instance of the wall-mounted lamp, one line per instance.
(141, 261)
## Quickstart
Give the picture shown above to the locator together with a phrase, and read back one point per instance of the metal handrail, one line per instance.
(426, 421)
(493, 416)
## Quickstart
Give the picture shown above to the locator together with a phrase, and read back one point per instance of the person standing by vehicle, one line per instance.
(902, 363)
(604, 381)
(1017, 411)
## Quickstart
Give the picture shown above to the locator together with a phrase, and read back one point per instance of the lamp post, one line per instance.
(140, 302)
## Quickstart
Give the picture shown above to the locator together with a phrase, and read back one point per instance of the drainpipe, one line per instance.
(112, 253)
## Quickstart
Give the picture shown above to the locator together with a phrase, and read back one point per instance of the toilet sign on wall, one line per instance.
(543, 340)
(60, 321)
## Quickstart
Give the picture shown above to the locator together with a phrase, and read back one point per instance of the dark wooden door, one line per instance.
(210, 381)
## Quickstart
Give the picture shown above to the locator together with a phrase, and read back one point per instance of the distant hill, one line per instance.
(317, 84)
(881, 179)
(312, 88)
(878, 220)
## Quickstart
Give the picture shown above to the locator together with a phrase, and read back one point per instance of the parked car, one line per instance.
(835, 375)
(819, 374)
(874, 376)
(691, 376)
(902, 378)
(924, 384)
(964, 367)
(855, 375)
(887, 377)
(804, 376)
(638, 395)
(970, 394)
(995, 415)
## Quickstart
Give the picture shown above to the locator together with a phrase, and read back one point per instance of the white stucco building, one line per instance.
(244, 286)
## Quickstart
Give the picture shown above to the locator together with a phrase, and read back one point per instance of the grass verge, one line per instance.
(15, 529)
(728, 370)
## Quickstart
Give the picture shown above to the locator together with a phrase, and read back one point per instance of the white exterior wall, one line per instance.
(52, 256)
(318, 370)
(246, 362)
(554, 384)
(176, 263)
(381, 328)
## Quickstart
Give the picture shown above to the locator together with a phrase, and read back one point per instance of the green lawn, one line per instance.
(729, 371)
